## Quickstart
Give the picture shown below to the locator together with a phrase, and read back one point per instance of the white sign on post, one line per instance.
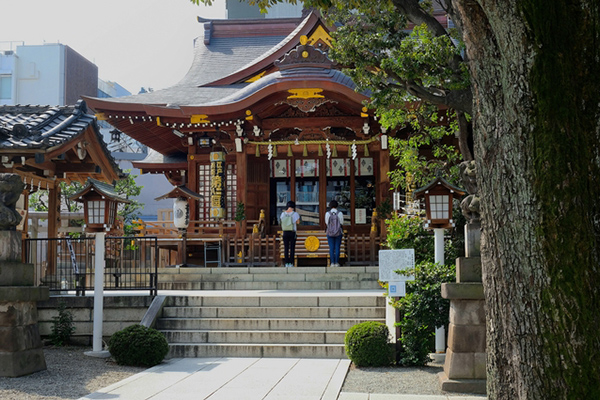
(394, 260)
(397, 289)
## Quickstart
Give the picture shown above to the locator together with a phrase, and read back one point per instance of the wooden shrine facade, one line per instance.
(261, 126)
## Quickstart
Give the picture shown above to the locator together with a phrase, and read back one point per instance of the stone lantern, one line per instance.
(100, 203)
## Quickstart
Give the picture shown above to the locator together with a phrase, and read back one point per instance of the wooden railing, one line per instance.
(251, 251)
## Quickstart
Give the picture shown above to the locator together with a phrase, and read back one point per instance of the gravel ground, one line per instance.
(393, 380)
(71, 375)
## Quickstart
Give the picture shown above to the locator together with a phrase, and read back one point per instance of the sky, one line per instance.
(136, 43)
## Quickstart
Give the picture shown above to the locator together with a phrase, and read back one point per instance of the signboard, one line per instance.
(360, 216)
(393, 260)
(217, 184)
(397, 289)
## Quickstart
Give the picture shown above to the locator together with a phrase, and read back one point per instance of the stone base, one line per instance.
(19, 363)
(438, 358)
(98, 354)
(473, 386)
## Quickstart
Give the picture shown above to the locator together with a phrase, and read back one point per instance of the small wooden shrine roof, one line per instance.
(455, 190)
(103, 188)
(47, 144)
(180, 191)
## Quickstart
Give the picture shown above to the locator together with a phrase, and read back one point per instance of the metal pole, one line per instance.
(440, 332)
(99, 265)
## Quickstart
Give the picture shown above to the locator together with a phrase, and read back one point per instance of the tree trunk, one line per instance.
(535, 68)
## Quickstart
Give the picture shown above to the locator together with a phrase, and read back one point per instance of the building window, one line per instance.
(5, 87)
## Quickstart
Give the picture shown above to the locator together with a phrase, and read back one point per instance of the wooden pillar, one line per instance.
(53, 224)
(241, 162)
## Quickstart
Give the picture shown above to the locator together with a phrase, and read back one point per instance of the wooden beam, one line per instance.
(77, 168)
(354, 123)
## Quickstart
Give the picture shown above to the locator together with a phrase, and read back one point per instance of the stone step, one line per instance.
(313, 300)
(287, 324)
(193, 350)
(255, 337)
(281, 285)
(273, 312)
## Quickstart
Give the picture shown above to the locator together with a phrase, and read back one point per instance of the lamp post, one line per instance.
(100, 211)
(438, 195)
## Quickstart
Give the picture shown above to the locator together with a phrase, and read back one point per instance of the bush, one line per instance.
(367, 344)
(138, 346)
(422, 310)
(62, 326)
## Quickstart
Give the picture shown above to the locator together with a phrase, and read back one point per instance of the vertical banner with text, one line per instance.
(217, 184)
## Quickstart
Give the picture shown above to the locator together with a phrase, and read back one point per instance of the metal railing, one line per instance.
(65, 264)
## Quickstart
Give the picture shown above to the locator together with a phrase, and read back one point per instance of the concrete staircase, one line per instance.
(269, 278)
(266, 324)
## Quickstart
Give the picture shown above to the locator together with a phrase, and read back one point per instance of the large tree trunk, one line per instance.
(535, 67)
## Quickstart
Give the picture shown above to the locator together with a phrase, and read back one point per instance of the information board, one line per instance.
(393, 260)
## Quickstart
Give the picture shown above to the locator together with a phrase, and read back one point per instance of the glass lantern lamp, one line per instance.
(438, 196)
(100, 202)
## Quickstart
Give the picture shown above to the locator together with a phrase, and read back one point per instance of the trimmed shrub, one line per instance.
(367, 344)
(138, 346)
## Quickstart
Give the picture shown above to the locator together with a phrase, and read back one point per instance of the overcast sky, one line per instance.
(136, 43)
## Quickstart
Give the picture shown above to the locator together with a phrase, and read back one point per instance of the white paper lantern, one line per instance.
(181, 213)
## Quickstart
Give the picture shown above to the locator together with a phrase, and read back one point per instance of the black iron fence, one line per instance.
(68, 264)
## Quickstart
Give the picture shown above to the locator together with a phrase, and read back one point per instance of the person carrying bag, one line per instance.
(334, 220)
(289, 221)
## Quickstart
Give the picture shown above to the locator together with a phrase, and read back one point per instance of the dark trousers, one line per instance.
(289, 246)
(335, 242)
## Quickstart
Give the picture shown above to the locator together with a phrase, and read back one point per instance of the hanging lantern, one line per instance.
(334, 153)
(289, 150)
(305, 151)
(320, 151)
(366, 150)
(181, 213)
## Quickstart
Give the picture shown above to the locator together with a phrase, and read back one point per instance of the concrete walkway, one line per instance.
(245, 379)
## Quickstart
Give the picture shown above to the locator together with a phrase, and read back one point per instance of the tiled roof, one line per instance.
(41, 127)
(216, 60)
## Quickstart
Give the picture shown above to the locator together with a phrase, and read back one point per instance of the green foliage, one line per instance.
(422, 310)
(62, 326)
(129, 212)
(240, 212)
(407, 232)
(125, 187)
(367, 344)
(138, 345)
